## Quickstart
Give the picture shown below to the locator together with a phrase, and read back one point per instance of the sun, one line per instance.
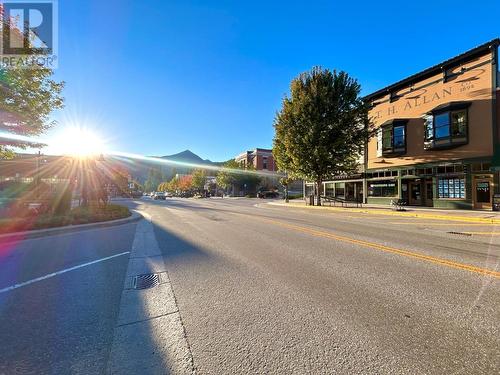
(80, 142)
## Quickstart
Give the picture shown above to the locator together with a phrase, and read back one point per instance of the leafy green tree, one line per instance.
(27, 98)
(248, 180)
(225, 178)
(199, 179)
(173, 185)
(236, 175)
(321, 129)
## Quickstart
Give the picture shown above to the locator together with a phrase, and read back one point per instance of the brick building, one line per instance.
(260, 158)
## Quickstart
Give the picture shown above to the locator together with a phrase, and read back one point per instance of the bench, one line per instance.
(342, 202)
(398, 204)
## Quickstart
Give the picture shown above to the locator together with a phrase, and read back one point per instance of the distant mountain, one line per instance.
(140, 168)
(188, 156)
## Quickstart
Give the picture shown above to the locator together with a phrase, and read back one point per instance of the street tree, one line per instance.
(173, 185)
(249, 180)
(186, 183)
(27, 98)
(225, 179)
(322, 127)
(234, 174)
(199, 179)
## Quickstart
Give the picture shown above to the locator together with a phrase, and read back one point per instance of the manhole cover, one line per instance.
(146, 281)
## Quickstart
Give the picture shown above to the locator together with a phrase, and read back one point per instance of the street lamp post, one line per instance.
(286, 186)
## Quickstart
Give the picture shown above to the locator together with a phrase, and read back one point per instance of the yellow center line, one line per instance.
(485, 233)
(444, 224)
(411, 254)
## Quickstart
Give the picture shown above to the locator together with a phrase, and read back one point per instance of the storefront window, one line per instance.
(329, 189)
(340, 189)
(383, 188)
(451, 187)
(309, 190)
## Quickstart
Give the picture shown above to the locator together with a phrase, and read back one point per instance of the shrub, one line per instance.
(90, 214)
(61, 201)
(78, 215)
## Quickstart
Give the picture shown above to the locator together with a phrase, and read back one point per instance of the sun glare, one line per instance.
(80, 142)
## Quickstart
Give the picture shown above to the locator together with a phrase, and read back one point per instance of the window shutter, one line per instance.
(379, 142)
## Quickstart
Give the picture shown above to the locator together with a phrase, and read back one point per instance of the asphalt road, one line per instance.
(266, 289)
(63, 324)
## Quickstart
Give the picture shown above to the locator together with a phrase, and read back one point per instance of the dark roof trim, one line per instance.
(396, 121)
(436, 69)
(451, 106)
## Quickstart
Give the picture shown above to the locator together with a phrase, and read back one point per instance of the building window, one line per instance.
(264, 162)
(329, 189)
(340, 189)
(448, 124)
(394, 138)
(309, 190)
(379, 142)
(384, 188)
(442, 125)
(459, 123)
(399, 136)
(447, 128)
(451, 187)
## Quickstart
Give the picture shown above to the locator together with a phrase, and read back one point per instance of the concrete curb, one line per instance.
(30, 234)
(388, 212)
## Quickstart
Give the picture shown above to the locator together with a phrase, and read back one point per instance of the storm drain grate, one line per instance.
(146, 281)
(460, 233)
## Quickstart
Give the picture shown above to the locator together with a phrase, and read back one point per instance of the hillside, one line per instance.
(140, 168)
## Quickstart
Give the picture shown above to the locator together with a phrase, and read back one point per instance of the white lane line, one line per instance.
(12, 287)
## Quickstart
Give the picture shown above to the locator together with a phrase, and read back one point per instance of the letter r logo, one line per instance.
(28, 27)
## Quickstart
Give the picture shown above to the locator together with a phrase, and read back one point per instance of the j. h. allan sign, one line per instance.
(414, 101)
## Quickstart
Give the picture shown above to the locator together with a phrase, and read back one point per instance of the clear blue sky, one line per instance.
(157, 77)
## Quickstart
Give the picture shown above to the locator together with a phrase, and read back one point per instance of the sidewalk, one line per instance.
(420, 212)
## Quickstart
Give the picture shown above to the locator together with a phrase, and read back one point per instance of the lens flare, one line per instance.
(79, 142)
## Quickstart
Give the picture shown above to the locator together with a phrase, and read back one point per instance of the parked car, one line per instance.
(136, 194)
(267, 194)
(159, 195)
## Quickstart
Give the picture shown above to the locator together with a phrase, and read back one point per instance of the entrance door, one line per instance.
(415, 193)
(482, 193)
(428, 193)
